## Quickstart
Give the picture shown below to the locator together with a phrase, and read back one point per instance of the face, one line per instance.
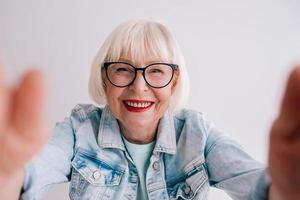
(138, 106)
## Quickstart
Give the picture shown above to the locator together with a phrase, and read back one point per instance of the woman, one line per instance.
(142, 144)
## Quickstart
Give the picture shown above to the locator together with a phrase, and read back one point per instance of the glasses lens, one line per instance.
(120, 74)
(159, 75)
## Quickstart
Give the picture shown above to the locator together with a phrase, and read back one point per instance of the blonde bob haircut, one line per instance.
(137, 38)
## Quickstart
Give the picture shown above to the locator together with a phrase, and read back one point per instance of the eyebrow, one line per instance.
(130, 62)
(124, 60)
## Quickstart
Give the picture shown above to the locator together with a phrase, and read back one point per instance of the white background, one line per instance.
(238, 55)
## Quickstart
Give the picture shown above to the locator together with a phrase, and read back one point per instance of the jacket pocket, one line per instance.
(192, 185)
(93, 178)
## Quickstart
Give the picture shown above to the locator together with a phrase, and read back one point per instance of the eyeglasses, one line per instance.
(156, 75)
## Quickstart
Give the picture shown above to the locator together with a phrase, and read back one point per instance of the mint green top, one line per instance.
(140, 154)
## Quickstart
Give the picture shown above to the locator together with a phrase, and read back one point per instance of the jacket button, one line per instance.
(96, 174)
(156, 165)
(187, 190)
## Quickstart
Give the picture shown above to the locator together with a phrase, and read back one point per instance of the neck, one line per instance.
(139, 135)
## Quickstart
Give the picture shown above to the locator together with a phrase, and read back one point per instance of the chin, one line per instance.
(140, 123)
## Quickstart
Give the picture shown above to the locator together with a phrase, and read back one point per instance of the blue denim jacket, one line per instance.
(190, 155)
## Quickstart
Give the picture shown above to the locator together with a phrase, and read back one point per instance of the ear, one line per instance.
(174, 82)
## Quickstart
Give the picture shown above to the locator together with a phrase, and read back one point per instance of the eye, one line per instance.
(156, 71)
(122, 69)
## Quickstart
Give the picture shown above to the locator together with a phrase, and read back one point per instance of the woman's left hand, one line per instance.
(284, 152)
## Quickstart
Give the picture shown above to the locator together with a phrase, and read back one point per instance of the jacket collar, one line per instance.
(109, 135)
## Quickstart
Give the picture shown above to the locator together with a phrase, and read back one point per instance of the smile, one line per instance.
(137, 105)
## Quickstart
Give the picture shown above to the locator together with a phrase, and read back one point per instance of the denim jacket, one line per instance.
(190, 155)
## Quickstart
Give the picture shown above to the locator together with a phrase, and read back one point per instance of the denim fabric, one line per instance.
(190, 155)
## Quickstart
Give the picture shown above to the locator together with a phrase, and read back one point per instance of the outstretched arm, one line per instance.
(22, 129)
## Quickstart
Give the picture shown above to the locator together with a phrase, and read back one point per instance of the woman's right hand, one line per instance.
(23, 130)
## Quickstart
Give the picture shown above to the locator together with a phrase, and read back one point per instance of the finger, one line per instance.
(4, 98)
(290, 107)
(287, 125)
(27, 110)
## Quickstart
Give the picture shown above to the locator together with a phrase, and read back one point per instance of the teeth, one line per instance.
(138, 105)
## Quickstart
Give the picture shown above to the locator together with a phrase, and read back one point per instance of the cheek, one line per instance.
(164, 97)
(113, 95)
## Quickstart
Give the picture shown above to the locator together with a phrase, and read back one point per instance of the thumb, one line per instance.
(28, 106)
(288, 122)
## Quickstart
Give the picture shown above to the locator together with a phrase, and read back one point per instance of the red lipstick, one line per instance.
(132, 108)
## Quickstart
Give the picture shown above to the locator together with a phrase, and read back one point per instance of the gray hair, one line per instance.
(135, 38)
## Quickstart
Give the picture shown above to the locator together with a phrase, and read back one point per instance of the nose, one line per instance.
(139, 84)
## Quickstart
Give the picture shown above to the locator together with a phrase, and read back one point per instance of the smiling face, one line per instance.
(138, 107)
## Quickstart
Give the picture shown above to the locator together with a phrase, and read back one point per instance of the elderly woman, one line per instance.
(142, 144)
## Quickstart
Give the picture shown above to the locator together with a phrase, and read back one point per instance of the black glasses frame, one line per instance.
(136, 69)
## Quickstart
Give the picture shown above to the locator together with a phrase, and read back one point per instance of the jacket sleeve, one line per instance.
(231, 169)
(52, 165)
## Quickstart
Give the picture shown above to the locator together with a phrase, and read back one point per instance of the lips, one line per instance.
(138, 105)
